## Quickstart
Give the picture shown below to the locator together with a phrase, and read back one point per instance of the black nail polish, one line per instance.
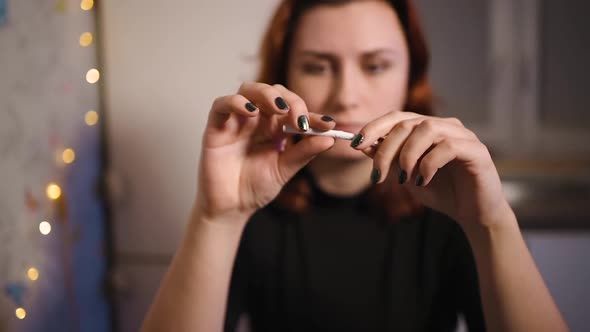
(375, 175)
(303, 123)
(297, 138)
(281, 104)
(326, 118)
(357, 140)
(251, 107)
(403, 177)
(419, 180)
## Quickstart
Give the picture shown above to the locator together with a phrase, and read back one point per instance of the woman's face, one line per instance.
(350, 62)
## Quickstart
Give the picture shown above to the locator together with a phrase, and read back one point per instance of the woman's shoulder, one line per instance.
(430, 221)
(265, 225)
(440, 223)
(271, 218)
(431, 226)
(433, 231)
(448, 236)
(268, 218)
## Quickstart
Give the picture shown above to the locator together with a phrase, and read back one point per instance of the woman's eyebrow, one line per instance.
(379, 51)
(331, 57)
(318, 54)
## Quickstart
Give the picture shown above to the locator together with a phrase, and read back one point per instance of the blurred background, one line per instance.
(102, 104)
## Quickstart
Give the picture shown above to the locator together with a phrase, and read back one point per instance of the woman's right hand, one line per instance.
(244, 162)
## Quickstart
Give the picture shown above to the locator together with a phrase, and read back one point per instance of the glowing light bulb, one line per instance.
(20, 313)
(92, 76)
(45, 227)
(33, 274)
(91, 118)
(87, 4)
(85, 39)
(68, 156)
(53, 191)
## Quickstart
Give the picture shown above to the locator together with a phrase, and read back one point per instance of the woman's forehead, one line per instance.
(354, 26)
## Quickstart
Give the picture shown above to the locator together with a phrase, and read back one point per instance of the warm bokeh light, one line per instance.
(21, 313)
(85, 39)
(68, 156)
(92, 76)
(33, 274)
(87, 4)
(53, 191)
(45, 227)
(91, 118)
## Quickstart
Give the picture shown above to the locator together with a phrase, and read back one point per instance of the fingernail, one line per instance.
(419, 180)
(357, 140)
(327, 118)
(303, 123)
(297, 138)
(375, 175)
(403, 177)
(251, 107)
(281, 104)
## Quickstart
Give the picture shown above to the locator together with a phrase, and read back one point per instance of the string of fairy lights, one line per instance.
(53, 190)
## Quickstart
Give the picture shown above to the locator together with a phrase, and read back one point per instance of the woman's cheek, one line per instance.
(313, 92)
(394, 95)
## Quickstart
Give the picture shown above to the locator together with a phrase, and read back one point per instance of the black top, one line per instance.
(339, 268)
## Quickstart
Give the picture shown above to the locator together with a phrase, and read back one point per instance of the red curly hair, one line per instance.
(388, 198)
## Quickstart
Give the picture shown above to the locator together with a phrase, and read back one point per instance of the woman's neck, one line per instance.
(341, 178)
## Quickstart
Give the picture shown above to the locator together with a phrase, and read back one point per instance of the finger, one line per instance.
(445, 152)
(316, 121)
(266, 97)
(380, 127)
(425, 135)
(386, 152)
(321, 122)
(372, 149)
(296, 156)
(298, 116)
(224, 106)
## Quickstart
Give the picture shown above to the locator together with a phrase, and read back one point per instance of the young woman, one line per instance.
(402, 230)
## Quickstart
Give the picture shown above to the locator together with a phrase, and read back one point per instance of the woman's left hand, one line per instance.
(442, 163)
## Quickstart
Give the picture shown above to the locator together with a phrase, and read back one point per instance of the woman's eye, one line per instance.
(313, 68)
(376, 68)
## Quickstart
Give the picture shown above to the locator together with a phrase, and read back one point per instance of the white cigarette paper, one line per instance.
(330, 133)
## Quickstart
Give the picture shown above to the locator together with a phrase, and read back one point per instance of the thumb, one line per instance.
(298, 155)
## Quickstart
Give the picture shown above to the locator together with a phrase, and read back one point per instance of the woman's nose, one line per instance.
(347, 90)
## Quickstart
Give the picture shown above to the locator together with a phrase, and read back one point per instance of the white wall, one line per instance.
(164, 63)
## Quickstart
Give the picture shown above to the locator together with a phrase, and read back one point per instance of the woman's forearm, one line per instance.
(514, 295)
(193, 293)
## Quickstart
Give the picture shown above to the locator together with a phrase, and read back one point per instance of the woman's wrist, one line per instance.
(496, 218)
(230, 220)
(203, 231)
(500, 227)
